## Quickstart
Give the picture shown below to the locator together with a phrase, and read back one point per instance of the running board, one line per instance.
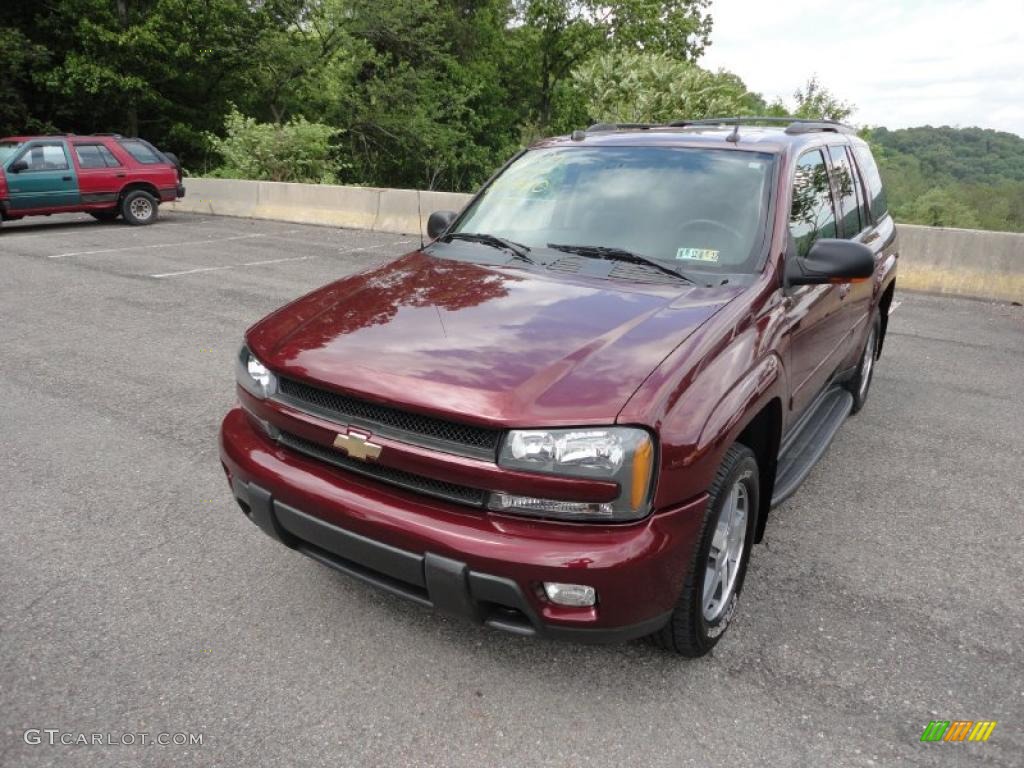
(809, 441)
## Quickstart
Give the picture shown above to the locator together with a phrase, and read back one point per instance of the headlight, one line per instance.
(624, 455)
(253, 376)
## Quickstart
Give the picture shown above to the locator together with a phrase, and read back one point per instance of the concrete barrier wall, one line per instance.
(964, 262)
(381, 210)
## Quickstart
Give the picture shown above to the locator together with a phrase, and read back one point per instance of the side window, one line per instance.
(108, 157)
(846, 191)
(95, 156)
(46, 157)
(858, 188)
(872, 180)
(141, 152)
(812, 214)
(89, 156)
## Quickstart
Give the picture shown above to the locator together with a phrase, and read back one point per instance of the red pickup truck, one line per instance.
(104, 175)
(570, 414)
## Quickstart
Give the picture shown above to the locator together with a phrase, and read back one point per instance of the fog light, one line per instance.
(576, 595)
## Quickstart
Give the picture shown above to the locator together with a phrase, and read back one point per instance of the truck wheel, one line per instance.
(861, 383)
(139, 207)
(715, 578)
(104, 215)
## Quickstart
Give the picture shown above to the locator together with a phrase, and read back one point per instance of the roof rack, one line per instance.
(601, 127)
(794, 125)
(113, 135)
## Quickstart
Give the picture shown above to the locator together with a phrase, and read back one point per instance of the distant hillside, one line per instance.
(953, 177)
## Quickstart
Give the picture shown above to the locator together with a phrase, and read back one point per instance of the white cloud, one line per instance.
(902, 62)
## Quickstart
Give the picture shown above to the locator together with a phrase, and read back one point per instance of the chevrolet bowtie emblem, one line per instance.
(357, 447)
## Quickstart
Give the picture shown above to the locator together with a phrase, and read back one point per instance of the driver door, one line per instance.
(48, 181)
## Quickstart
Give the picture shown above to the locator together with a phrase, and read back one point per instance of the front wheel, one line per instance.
(139, 207)
(712, 587)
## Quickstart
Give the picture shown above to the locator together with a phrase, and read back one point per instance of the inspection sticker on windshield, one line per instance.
(697, 254)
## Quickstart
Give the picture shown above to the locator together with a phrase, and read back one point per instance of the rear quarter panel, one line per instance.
(163, 178)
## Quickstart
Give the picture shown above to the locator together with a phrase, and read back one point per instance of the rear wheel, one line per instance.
(104, 215)
(861, 383)
(139, 207)
(715, 578)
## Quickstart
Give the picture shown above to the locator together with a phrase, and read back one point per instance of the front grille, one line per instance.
(460, 494)
(414, 428)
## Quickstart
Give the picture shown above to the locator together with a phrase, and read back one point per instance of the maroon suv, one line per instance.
(570, 413)
(105, 175)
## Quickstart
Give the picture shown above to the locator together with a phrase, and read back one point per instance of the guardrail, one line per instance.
(963, 262)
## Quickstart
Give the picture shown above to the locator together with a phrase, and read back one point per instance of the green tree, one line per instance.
(941, 208)
(815, 101)
(564, 33)
(633, 86)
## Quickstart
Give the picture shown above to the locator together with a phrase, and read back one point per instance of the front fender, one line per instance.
(708, 410)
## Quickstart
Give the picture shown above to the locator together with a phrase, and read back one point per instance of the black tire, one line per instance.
(104, 215)
(139, 207)
(860, 384)
(688, 632)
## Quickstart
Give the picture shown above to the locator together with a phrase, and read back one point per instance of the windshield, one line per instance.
(690, 208)
(8, 148)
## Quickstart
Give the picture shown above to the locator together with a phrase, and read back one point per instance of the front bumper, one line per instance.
(482, 566)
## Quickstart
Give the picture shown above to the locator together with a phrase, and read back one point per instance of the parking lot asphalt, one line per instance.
(136, 597)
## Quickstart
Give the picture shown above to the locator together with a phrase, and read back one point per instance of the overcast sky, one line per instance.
(901, 62)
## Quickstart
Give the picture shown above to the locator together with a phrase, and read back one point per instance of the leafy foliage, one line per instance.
(294, 151)
(953, 177)
(637, 86)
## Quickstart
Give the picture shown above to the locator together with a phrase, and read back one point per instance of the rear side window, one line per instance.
(846, 190)
(872, 180)
(141, 152)
(812, 214)
(95, 156)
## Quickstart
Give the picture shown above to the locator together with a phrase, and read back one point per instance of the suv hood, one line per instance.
(488, 345)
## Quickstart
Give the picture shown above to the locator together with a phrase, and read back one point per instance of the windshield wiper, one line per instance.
(517, 249)
(616, 254)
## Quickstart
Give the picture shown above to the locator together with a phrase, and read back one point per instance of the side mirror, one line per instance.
(18, 167)
(831, 261)
(438, 222)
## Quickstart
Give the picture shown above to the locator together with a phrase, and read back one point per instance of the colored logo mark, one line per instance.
(958, 730)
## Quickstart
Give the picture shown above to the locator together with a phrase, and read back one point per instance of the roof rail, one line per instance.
(113, 135)
(794, 125)
(600, 127)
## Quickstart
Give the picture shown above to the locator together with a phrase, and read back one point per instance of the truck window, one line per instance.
(812, 214)
(95, 156)
(872, 180)
(46, 157)
(141, 152)
(846, 190)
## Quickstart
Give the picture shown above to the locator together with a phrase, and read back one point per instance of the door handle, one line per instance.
(871, 237)
(65, 178)
(120, 175)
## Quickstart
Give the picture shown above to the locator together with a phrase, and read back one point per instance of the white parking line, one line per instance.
(895, 305)
(231, 266)
(157, 245)
(340, 252)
